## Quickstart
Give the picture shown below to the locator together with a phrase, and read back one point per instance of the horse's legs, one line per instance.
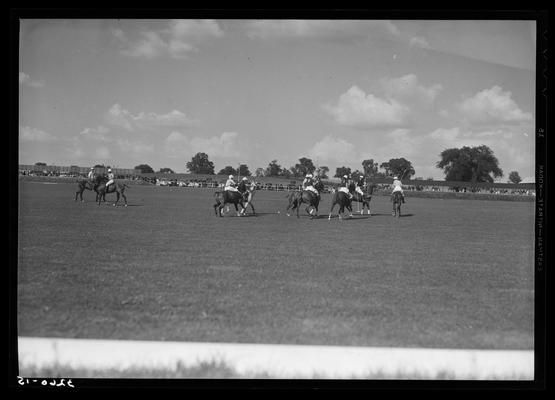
(117, 198)
(124, 198)
(331, 209)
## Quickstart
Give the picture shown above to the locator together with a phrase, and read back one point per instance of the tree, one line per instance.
(273, 169)
(370, 167)
(469, 164)
(228, 170)
(285, 173)
(99, 166)
(145, 169)
(166, 171)
(340, 171)
(399, 167)
(200, 164)
(303, 167)
(259, 172)
(322, 172)
(40, 163)
(514, 177)
(244, 170)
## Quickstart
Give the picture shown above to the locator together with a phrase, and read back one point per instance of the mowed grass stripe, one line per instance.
(450, 274)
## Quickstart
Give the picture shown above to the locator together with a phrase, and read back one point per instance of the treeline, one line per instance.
(466, 164)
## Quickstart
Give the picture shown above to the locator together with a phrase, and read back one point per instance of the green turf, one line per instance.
(449, 273)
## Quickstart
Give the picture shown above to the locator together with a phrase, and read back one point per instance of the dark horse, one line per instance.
(342, 199)
(247, 196)
(224, 197)
(396, 199)
(117, 188)
(308, 197)
(83, 184)
(364, 198)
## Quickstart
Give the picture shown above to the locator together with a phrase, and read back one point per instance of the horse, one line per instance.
(83, 184)
(224, 197)
(364, 198)
(343, 200)
(396, 199)
(249, 194)
(308, 197)
(116, 187)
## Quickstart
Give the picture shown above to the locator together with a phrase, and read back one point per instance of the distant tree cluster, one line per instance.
(467, 164)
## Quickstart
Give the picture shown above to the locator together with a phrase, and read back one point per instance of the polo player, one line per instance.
(359, 185)
(242, 187)
(397, 187)
(230, 184)
(308, 184)
(344, 186)
(111, 178)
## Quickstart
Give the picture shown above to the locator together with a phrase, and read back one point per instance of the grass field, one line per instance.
(448, 274)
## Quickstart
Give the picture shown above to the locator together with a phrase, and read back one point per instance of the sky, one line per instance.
(136, 91)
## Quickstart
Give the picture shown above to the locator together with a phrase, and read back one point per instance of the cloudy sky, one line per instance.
(127, 92)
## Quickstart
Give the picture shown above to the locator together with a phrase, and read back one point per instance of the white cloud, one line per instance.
(493, 105)
(408, 90)
(133, 147)
(25, 79)
(445, 134)
(98, 133)
(332, 149)
(326, 29)
(226, 145)
(178, 40)
(29, 134)
(357, 109)
(176, 145)
(119, 116)
(401, 98)
(419, 41)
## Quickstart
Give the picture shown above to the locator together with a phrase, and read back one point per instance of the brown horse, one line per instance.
(247, 196)
(117, 188)
(224, 197)
(364, 198)
(82, 185)
(308, 197)
(343, 200)
(396, 199)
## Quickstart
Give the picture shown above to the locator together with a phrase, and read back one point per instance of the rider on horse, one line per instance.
(360, 184)
(242, 187)
(230, 184)
(344, 186)
(111, 178)
(308, 184)
(398, 188)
